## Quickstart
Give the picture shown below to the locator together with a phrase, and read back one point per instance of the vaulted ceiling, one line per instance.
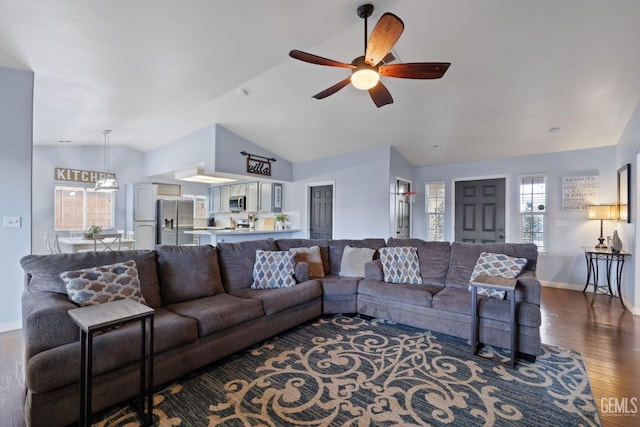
(155, 70)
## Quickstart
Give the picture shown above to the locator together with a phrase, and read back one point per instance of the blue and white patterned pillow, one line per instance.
(273, 269)
(400, 265)
(501, 265)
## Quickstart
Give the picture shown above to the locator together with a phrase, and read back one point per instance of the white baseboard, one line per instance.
(10, 326)
(562, 285)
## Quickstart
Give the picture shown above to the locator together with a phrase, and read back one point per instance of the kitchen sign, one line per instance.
(258, 165)
(77, 175)
(578, 192)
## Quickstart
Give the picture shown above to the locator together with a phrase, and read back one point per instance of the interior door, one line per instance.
(480, 211)
(403, 209)
(321, 212)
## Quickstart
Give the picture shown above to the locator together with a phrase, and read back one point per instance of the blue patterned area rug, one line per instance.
(346, 371)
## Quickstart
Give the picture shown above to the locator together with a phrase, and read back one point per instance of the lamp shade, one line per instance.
(603, 212)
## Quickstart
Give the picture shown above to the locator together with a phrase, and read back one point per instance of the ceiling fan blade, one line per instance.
(415, 70)
(333, 89)
(383, 37)
(318, 60)
(380, 95)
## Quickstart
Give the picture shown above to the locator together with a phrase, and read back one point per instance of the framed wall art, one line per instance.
(624, 193)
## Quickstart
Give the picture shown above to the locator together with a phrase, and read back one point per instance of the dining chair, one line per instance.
(52, 243)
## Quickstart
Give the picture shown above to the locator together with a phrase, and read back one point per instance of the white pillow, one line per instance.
(353, 261)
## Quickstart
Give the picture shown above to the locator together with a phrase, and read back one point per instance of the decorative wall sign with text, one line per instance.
(77, 175)
(578, 192)
(258, 165)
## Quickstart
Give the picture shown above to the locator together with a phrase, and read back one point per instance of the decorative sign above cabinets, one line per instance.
(258, 165)
(64, 174)
(578, 192)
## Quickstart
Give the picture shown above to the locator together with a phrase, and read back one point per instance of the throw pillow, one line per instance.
(501, 265)
(353, 261)
(312, 257)
(273, 269)
(400, 265)
(102, 284)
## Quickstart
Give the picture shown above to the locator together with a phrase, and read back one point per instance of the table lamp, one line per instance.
(602, 212)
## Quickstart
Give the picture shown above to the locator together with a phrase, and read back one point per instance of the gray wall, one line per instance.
(564, 262)
(16, 123)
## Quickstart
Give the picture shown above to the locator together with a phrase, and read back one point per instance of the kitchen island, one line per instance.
(212, 235)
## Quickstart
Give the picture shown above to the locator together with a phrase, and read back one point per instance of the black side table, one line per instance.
(97, 318)
(592, 256)
(500, 284)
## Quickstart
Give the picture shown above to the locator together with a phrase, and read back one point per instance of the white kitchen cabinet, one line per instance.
(225, 193)
(144, 201)
(251, 189)
(145, 235)
(237, 190)
(214, 199)
(265, 196)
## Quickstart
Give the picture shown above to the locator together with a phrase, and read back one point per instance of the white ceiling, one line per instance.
(154, 70)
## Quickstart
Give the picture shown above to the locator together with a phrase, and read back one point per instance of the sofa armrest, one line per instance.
(528, 287)
(301, 271)
(45, 322)
(373, 270)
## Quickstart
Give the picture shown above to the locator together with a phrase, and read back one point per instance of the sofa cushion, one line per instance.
(273, 269)
(312, 257)
(339, 286)
(336, 248)
(433, 256)
(118, 347)
(401, 292)
(323, 244)
(464, 256)
(237, 259)
(218, 312)
(496, 265)
(353, 261)
(457, 300)
(43, 271)
(400, 265)
(279, 299)
(188, 272)
(102, 284)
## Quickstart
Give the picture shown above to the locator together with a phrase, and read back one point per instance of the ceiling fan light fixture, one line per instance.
(364, 76)
(365, 79)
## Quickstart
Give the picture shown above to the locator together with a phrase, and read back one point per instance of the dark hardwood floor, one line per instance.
(607, 336)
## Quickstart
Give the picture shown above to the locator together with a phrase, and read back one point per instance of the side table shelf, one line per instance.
(98, 318)
(592, 257)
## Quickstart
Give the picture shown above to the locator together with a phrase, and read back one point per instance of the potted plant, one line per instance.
(281, 218)
(94, 229)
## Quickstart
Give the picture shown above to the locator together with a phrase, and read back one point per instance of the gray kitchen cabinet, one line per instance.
(214, 199)
(251, 189)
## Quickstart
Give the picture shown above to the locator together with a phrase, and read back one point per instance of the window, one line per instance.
(199, 205)
(434, 207)
(533, 210)
(78, 208)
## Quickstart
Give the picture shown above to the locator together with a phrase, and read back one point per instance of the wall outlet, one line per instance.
(12, 221)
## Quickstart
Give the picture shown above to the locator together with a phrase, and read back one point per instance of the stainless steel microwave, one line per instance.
(237, 203)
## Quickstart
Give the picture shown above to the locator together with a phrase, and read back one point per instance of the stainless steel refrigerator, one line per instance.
(174, 217)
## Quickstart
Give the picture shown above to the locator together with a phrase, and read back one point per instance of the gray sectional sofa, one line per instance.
(205, 310)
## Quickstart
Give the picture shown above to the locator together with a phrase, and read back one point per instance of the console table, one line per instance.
(102, 317)
(592, 256)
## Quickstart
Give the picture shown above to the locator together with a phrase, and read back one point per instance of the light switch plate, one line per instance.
(12, 221)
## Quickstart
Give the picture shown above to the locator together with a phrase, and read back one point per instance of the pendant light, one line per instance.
(108, 182)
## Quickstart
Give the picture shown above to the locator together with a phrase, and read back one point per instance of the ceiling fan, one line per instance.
(366, 70)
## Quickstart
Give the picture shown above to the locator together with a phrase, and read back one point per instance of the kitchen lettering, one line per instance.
(77, 175)
(259, 167)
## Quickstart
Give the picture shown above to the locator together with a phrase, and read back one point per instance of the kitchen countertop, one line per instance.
(223, 231)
